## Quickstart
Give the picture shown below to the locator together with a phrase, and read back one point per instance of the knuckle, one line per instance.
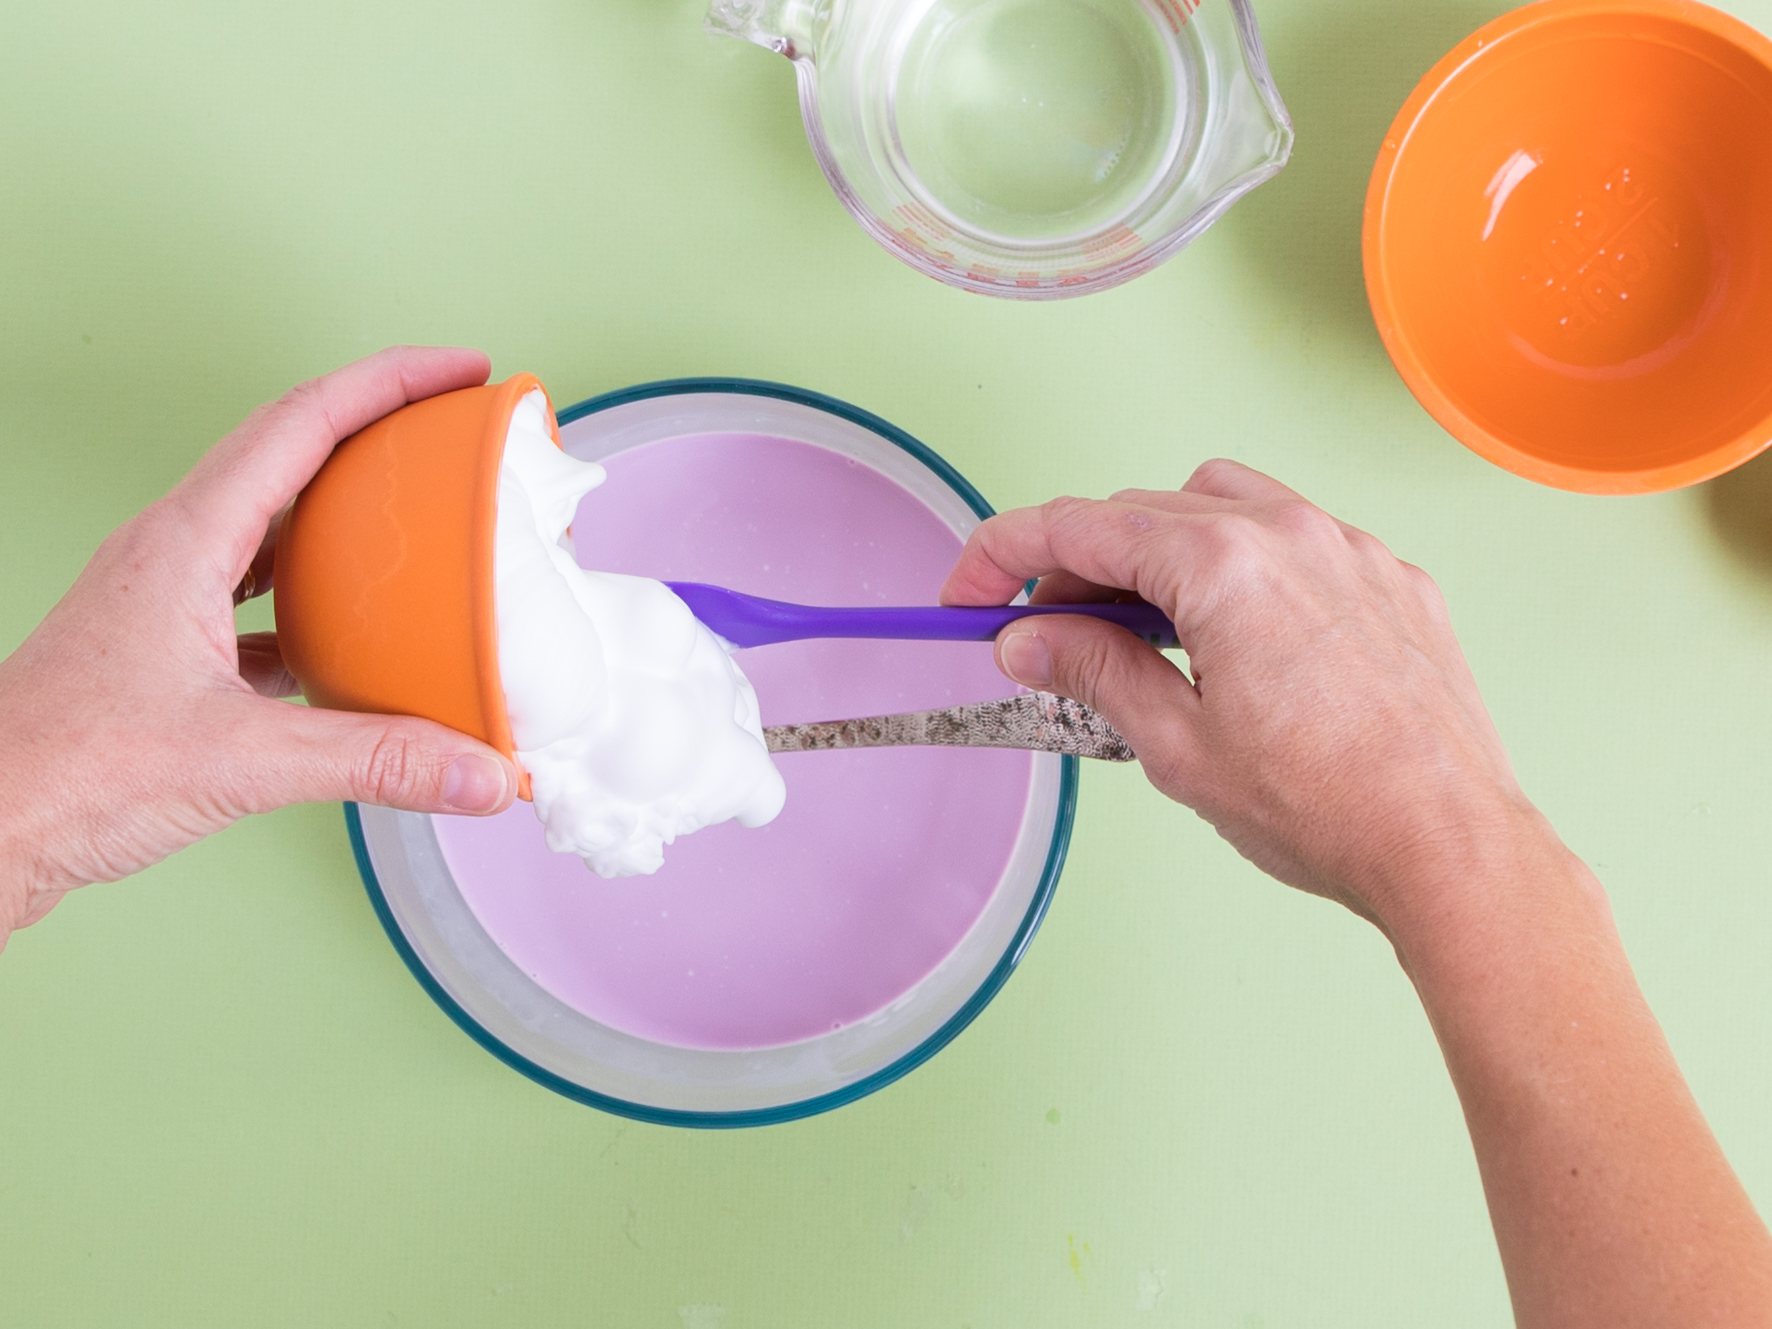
(305, 401)
(148, 530)
(1074, 523)
(1066, 510)
(1300, 518)
(163, 519)
(1427, 590)
(160, 534)
(1140, 496)
(986, 535)
(267, 411)
(392, 769)
(1364, 545)
(302, 394)
(1209, 470)
(1238, 546)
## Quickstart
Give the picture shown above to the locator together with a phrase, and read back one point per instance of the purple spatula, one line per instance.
(749, 620)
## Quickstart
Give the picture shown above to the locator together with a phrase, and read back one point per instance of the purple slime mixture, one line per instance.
(882, 860)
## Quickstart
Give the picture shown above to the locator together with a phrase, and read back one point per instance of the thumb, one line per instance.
(309, 755)
(1143, 695)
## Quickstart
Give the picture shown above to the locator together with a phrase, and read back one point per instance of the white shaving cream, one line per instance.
(630, 717)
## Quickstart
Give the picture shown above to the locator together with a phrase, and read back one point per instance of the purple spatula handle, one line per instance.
(749, 620)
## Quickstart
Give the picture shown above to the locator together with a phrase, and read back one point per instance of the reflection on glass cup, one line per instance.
(1029, 148)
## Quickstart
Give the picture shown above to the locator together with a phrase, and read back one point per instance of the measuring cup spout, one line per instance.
(783, 26)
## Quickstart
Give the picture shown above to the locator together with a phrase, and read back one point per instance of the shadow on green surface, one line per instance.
(1344, 71)
(1739, 506)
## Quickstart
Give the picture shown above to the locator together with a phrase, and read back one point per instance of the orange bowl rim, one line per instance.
(483, 593)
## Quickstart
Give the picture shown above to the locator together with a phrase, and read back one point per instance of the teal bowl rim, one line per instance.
(980, 998)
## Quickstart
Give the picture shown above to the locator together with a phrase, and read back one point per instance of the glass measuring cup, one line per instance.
(1033, 149)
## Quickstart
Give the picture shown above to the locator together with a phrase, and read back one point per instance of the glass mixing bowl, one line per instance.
(406, 865)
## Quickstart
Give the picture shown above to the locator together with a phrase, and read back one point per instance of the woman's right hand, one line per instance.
(1332, 732)
(1330, 729)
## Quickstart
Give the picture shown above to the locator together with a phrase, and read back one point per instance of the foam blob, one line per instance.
(631, 719)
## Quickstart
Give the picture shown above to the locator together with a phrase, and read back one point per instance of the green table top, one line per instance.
(1204, 1099)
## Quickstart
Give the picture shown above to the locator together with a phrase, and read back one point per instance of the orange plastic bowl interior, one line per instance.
(384, 572)
(1568, 243)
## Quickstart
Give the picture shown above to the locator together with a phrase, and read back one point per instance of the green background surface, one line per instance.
(1204, 1100)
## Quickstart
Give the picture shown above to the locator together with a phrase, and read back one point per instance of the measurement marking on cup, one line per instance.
(1177, 12)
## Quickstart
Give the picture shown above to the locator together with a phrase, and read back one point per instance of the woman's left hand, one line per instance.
(134, 721)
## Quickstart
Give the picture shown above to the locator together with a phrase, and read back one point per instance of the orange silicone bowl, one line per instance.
(1568, 243)
(384, 572)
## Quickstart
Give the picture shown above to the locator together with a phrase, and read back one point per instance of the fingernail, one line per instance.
(1027, 659)
(474, 784)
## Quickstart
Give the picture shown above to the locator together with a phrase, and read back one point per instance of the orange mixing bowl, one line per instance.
(1568, 243)
(384, 572)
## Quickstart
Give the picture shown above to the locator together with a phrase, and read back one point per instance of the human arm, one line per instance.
(134, 722)
(1332, 732)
